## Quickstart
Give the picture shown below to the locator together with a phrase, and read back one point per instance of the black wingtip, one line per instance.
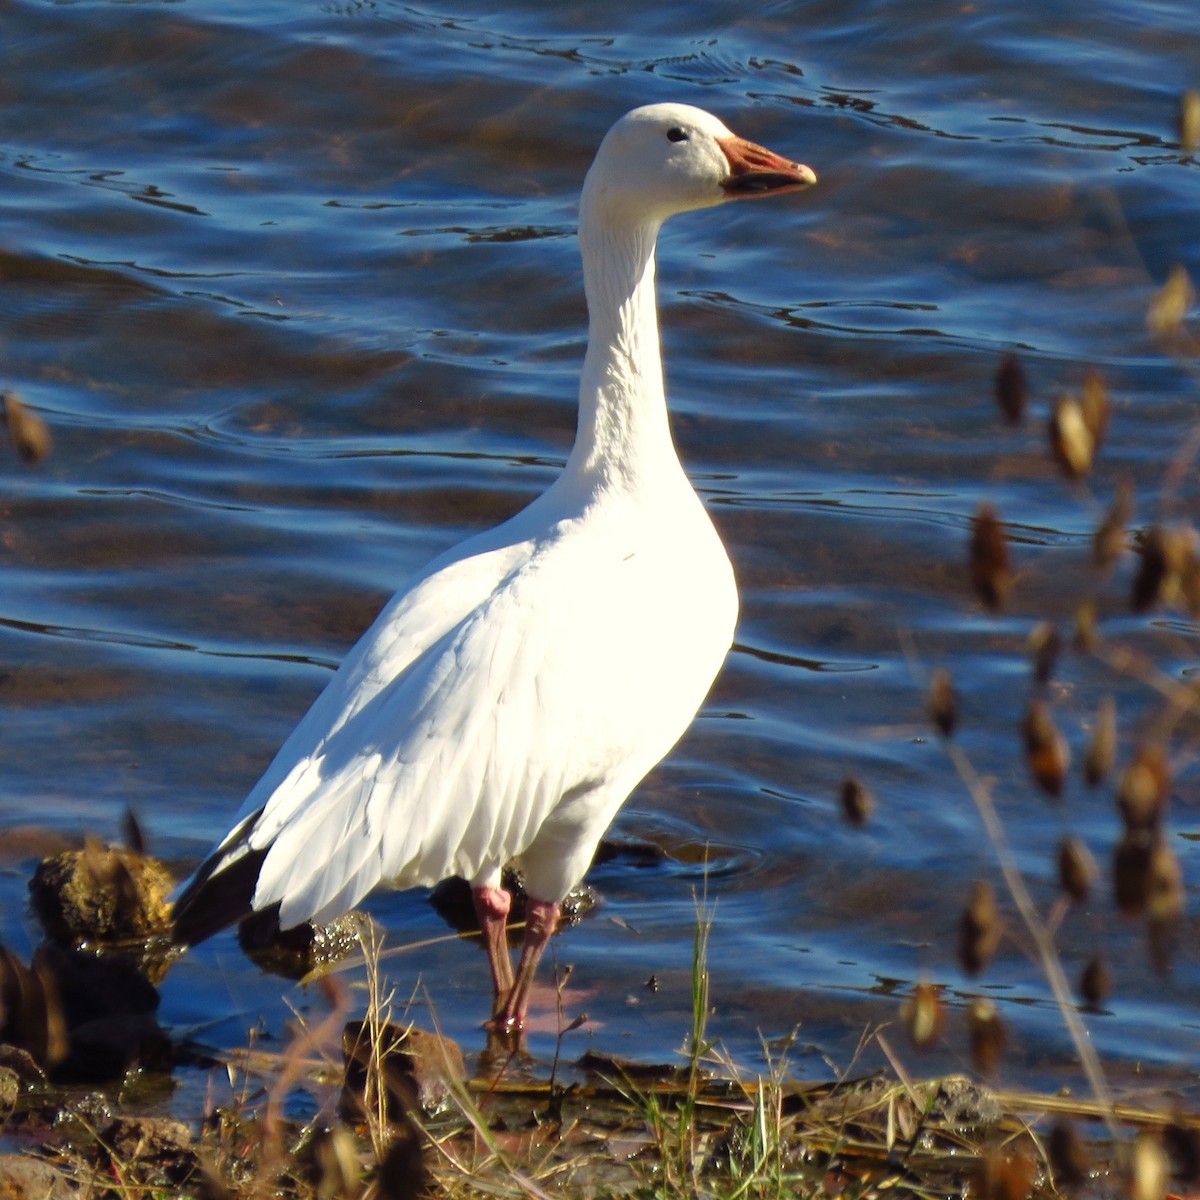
(216, 899)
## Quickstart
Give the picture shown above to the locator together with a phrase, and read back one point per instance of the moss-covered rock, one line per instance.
(101, 894)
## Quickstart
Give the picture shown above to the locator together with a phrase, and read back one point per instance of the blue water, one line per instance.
(296, 287)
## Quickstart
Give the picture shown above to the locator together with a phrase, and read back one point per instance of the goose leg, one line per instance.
(491, 907)
(541, 920)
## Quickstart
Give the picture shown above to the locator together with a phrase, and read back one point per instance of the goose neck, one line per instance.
(623, 436)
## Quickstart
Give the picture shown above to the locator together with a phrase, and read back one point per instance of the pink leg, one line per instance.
(491, 907)
(541, 920)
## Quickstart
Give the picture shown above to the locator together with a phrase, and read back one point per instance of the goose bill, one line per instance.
(755, 171)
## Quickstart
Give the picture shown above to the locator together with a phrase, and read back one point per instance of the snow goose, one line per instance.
(507, 703)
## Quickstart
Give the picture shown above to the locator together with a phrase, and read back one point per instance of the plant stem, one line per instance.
(1050, 962)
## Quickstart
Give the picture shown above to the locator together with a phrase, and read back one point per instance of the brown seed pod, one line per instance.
(1189, 120)
(1071, 441)
(857, 802)
(1077, 869)
(334, 1158)
(1131, 870)
(1111, 539)
(1168, 561)
(1181, 562)
(45, 1023)
(1095, 984)
(1046, 749)
(986, 1034)
(132, 833)
(1101, 754)
(991, 572)
(1152, 571)
(943, 703)
(1189, 584)
(1165, 901)
(1068, 1155)
(922, 1014)
(1045, 643)
(1145, 787)
(1149, 1170)
(28, 433)
(1096, 405)
(979, 929)
(1012, 388)
(32, 1016)
(1171, 304)
(1086, 627)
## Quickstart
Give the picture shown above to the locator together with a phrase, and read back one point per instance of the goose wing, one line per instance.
(574, 674)
(220, 890)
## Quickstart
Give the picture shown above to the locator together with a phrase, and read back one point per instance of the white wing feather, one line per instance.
(531, 680)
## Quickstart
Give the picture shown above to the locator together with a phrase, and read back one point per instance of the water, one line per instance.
(297, 289)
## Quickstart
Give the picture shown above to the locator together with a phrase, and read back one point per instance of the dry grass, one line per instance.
(702, 1128)
(705, 1128)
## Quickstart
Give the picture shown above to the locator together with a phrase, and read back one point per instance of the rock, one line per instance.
(111, 1046)
(77, 1017)
(418, 1069)
(109, 1009)
(612, 1067)
(25, 1178)
(91, 987)
(160, 1142)
(10, 1091)
(295, 953)
(101, 894)
(21, 1063)
(148, 1155)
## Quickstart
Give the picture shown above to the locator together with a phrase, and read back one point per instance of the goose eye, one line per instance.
(675, 134)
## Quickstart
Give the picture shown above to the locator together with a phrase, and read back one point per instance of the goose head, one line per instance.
(663, 159)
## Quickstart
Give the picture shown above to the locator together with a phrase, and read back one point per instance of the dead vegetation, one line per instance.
(399, 1116)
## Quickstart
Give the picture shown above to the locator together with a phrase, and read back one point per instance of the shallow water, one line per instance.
(296, 288)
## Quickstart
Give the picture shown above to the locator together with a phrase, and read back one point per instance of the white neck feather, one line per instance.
(623, 438)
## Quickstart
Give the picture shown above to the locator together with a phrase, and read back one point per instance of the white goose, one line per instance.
(507, 703)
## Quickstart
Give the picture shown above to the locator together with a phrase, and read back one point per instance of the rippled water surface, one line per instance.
(296, 287)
